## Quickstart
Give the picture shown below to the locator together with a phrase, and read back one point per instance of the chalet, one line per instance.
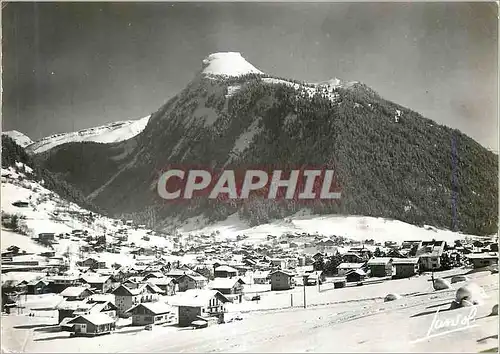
(166, 284)
(327, 245)
(178, 272)
(429, 254)
(261, 278)
(282, 280)
(66, 309)
(381, 267)
(480, 260)
(92, 263)
(242, 269)
(357, 276)
(92, 325)
(196, 303)
(98, 283)
(46, 237)
(225, 271)
(150, 313)
(352, 258)
(21, 204)
(73, 293)
(38, 286)
(279, 263)
(344, 268)
(227, 286)
(126, 297)
(405, 267)
(191, 281)
(91, 306)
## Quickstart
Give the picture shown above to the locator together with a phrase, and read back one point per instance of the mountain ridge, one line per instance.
(391, 161)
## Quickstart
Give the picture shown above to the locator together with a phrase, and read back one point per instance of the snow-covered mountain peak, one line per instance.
(20, 138)
(109, 133)
(228, 64)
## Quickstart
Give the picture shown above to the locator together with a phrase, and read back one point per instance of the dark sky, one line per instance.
(69, 66)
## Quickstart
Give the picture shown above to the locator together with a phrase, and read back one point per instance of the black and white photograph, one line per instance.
(249, 177)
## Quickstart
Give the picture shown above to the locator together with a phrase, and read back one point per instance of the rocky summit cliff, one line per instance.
(389, 160)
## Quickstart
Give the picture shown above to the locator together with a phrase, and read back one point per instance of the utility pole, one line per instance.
(304, 284)
(291, 300)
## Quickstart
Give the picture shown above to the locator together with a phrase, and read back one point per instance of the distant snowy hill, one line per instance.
(21, 139)
(109, 133)
(48, 212)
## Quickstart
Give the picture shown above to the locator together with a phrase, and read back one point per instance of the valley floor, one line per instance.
(335, 320)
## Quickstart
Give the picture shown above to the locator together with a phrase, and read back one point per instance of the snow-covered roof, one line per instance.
(349, 265)
(95, 318)
(195, 277)
(197, 297)
(482, 255)
(160, 281)
(73, 291)
(225, 268)
(155, 307)
(224, 283)
(95, 279)
(379, 261)
(404, 260)
(71, 305)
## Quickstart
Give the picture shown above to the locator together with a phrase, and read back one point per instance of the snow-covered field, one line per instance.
(335, 320)
(358, 228)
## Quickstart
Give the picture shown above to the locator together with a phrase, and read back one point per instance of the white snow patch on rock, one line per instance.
(246, 137)
(228, 64)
